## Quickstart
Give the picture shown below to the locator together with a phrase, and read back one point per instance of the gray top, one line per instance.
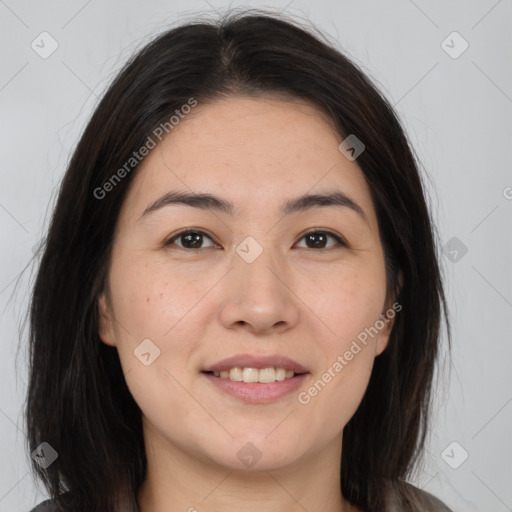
(45, 506)
(423, 501)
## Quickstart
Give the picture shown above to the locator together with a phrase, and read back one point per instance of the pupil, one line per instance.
(195, 239)
(312, 236)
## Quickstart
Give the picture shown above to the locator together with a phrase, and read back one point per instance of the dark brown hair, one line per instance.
(78, 401)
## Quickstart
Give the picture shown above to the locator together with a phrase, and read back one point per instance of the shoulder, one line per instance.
(45, 506)
(51, 505)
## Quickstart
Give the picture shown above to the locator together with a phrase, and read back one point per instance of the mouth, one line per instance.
(256, 362)
(255, 379)
(249, 375)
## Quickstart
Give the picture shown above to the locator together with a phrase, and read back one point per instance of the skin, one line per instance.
(201, 305)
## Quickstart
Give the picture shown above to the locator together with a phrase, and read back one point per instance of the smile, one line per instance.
(264, 375)
(256, 392)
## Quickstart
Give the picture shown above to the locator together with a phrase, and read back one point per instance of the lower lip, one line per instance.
(257, 392)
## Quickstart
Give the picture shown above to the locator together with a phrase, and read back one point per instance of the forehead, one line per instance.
(252, 151)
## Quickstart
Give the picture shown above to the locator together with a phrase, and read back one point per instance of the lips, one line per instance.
(259, 362)
(256, 392)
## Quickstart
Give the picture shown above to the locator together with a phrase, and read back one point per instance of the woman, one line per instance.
(239, 301)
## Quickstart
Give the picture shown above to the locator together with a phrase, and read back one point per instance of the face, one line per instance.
(257, 279)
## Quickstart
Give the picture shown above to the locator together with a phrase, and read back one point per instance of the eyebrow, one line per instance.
(206, 201)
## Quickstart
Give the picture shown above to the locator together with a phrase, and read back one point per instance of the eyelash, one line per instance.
(339, 240)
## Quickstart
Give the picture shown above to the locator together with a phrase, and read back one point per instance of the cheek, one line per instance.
(152, 298)
(168, 306)
(347, 300)
(157, 329)
(349, 303)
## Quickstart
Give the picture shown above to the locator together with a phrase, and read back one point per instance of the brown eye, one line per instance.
(318, 239)
(189, 239)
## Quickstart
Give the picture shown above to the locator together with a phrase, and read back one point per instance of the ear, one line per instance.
(388, 317)
(105, 325)
(384, 333)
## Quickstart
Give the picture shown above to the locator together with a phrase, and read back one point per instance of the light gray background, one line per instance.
(456, 111)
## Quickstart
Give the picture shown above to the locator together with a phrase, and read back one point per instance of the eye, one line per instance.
(193, 239)
(190, 239)
(318, 239)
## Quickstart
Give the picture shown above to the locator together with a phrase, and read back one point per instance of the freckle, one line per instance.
(147, 300)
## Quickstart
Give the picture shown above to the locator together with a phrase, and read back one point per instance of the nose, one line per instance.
(259, 296)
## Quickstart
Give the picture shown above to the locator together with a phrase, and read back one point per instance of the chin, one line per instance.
(253, 454)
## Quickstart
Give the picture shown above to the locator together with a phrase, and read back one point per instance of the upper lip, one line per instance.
(255, 361)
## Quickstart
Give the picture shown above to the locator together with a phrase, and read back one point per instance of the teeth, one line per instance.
(249, 374)
(265, 375)
(235, 374)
